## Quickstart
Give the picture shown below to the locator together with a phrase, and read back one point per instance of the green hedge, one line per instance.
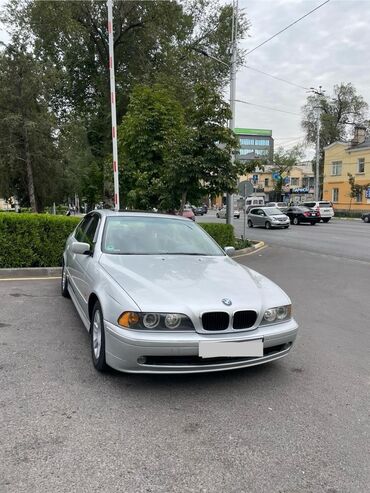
(222, 233)
(37, 240)
(33, 240)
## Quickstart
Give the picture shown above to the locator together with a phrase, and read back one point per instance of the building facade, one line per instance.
(255, 143)
(342, 158)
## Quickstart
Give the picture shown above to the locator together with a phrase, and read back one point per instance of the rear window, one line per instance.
(309, 204)
(325, 204)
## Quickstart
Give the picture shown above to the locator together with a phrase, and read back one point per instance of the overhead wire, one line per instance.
(287, 27)
(267, 107)
(277, 78)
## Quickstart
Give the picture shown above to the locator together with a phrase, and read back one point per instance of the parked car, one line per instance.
(188, 212)
(221, 213)
(302, 214)
(147, 288)
(267, 217)
(323, 207)
(205, 208)
(365, 217)
(280, 205)
(198, 211)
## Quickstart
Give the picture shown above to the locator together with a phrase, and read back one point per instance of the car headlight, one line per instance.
(155, 321)
(277, 314)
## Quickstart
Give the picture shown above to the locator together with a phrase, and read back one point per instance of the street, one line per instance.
(300, 424)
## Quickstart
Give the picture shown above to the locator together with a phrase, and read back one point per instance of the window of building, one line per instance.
(294, 182)
(358, 197)
(335, 195)
(247, 142)
(262, 142)
(244, 152)
(266, 182)
(361, 165)
(336, 168)
(261, 152)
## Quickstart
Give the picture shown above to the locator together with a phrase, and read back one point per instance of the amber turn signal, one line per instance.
(128, 319)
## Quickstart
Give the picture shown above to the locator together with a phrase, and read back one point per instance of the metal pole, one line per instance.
(245, 211)
(113, 104)
(229, 197)
(317, 178)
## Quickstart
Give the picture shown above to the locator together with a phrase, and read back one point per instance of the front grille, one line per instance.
(244, 319)
(215, 321)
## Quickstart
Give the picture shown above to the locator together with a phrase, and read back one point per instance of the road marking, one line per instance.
(29, 278)
(250, 253)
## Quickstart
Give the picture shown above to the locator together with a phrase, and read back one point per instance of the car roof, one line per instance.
(112, 213)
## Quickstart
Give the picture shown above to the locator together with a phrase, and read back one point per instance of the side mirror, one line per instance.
(81, 248)
(229, 251)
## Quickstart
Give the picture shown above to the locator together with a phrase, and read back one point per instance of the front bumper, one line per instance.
(145, 352)
(280, 224)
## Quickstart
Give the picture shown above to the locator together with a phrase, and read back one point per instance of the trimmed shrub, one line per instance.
(344, 213)
(222, 233)
(33, 240)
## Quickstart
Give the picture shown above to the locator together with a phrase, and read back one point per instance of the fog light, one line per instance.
(141, 360)
(172, 320)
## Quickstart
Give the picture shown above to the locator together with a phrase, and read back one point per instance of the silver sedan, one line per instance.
(158, 295)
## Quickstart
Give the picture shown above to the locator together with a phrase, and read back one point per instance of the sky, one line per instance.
(328, 47)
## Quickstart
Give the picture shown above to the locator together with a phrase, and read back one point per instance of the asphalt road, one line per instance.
(300, 424)
(341, 238)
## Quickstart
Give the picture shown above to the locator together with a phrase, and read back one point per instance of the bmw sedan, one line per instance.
(158, 295)
(267, 217)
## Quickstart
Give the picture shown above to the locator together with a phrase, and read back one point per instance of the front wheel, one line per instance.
(366, 219)
(218, 215)
(267, 225)
(295, 220)
(97, 338)
(64, 283)
(250, 224)
(313, 223)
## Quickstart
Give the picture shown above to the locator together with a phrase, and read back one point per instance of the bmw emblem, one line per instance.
(227, 301)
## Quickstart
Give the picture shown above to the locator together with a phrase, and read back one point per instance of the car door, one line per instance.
(72, 264)
(87, 264)
(252, 215)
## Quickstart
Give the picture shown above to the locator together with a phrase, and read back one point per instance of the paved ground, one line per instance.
(297, 425)
(342, 238)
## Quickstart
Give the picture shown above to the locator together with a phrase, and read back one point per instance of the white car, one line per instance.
(158, 295)
(221, 213)
(323, 206)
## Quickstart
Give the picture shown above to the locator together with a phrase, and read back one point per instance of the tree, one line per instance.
(284, 160)
(339, 112)
(28, 154)
(355, 188)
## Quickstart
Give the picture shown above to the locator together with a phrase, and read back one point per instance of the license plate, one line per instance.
(208, 349)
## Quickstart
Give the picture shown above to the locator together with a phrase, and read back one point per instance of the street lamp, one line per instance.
(317, 110)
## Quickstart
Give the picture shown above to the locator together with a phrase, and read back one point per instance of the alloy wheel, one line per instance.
(97, 334)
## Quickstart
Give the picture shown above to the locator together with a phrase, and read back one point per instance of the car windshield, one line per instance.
(273, 211)
(130, 235)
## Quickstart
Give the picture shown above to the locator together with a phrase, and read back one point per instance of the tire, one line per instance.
(64, 283)
(326, 220)
(295, 220)
(267, 225)
(313, 223)
(218, 215)
(286, 227)
(366, 219)
(250, 224)
(97, 338)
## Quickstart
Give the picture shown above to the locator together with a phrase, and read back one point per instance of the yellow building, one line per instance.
(340, 159)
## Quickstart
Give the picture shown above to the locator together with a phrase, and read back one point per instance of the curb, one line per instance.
(29, 272)
(258, 245)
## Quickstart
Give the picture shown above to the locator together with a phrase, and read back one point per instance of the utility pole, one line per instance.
(113, 104)
(319, 93)
(234, 35)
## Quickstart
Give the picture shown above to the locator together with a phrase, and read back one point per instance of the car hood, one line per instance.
(191, 284)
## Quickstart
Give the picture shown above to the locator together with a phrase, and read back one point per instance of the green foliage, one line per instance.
(33, 240)
(242, 243)
(284, 160)
(223, 234)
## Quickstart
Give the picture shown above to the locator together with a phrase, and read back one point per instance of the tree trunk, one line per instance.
(183, 200)
(30, 182)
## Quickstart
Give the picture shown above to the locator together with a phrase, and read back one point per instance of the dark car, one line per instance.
(366, 217)
(198, 211)
(301, 214)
